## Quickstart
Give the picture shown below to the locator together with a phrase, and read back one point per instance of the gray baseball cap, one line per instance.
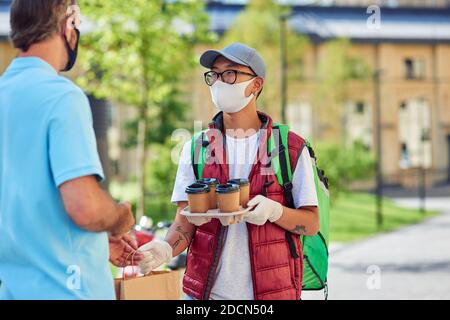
(238, 53)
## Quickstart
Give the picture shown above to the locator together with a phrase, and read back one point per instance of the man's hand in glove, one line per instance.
(156, 253)
(265, 210)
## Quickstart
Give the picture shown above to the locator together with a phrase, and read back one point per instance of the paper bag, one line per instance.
(160, 285)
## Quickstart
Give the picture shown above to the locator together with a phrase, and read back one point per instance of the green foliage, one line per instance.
(337, 67)
(353, 217)
(170, 116)
(344, 165)
(259, 26)
(161, 178)
(138, 52)
(161, 172)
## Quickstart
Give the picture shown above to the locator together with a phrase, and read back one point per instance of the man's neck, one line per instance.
(45, 51)
(244, 123)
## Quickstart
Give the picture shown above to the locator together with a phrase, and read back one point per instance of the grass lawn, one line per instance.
(352, 217)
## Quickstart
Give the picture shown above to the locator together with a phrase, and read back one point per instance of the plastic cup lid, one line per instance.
(197, 188)
(209, 181)
(240, 182)
(227, 188)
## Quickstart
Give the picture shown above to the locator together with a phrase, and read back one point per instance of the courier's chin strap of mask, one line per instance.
(73, 23)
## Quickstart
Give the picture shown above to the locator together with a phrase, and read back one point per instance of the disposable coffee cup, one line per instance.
(198, 197)
(244, 187)
(228, 196)
(212, 184)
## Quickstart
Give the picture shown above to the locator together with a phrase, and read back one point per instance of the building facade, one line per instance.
(409, 50)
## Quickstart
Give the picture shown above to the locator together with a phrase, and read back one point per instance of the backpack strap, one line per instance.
(198, 153)
(320, 173)
(279, 151)
(281, 163)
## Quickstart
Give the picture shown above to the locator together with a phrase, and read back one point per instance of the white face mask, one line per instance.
(230, 98)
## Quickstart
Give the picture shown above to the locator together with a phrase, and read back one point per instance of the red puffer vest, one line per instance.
(276, 274)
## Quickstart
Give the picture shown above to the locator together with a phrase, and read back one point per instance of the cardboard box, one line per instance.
(160, 285)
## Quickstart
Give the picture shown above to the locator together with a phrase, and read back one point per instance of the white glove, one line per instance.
(156, 253)
(198, 221)
(265, 209)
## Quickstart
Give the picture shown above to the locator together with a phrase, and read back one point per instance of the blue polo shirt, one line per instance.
(46, 139)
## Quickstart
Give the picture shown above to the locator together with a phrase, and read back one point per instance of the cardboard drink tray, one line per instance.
(213, 213)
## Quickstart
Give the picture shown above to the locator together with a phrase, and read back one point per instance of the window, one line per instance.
(357, 123)
(414, 134)
(409, 68)
(360, 107)
(414, 69)
(404, 156)
(300, 118)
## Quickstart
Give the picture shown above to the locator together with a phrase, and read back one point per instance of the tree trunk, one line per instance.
(142, 159)
(143, 128)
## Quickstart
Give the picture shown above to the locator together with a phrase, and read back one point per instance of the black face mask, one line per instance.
(72, 53)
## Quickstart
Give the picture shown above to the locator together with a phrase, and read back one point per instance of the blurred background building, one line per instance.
(361, 3)
(410, 51)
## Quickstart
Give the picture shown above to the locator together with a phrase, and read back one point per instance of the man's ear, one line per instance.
(63, 30)
(258, 84)
(68, 34)
(68, 28)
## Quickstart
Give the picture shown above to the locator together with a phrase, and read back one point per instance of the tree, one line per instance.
(161, 173)
(336, 69)
(344, 165)
(259, 26)
(344, 161)
(136, 54)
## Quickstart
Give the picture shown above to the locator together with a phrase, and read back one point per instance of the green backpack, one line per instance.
(315, 248)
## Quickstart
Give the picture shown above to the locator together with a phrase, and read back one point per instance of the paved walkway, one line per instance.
(412, 263)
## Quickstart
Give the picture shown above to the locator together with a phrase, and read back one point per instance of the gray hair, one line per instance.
(33, 21)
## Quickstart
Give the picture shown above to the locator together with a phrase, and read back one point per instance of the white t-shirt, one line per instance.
(234, 278)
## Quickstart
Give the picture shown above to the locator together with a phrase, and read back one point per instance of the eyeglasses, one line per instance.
(228, 76)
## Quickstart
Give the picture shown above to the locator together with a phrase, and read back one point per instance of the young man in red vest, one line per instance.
(261, 257)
